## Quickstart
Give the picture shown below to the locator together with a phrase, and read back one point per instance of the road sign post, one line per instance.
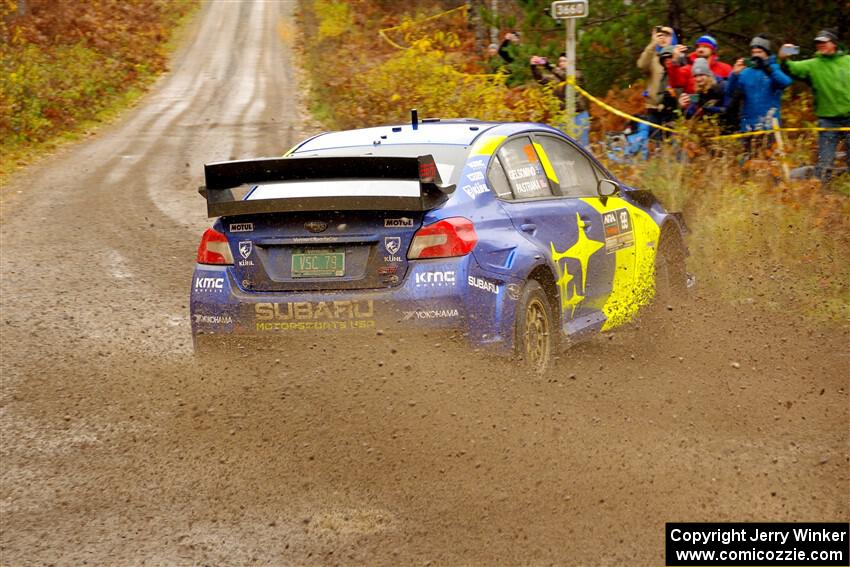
(570, 10)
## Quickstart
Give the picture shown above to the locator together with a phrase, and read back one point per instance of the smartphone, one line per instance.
(791, 50)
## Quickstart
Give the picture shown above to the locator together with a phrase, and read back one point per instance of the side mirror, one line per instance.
(607, 188)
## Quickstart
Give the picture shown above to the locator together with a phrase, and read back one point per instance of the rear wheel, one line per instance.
(535, 337)
(671, 276)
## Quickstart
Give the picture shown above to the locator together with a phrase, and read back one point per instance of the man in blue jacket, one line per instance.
(758, 86)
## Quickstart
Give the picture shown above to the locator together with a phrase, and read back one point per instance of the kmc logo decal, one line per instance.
(392, 244)
(245, 248)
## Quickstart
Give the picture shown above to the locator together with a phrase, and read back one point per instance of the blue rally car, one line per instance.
(507, 233)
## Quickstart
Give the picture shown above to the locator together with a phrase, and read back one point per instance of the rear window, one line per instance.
(450, 159)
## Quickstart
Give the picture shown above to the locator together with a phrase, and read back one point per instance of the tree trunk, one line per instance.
(843, 9)
(674, 16)
(475, 7)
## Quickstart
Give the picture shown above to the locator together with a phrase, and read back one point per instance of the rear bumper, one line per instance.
(436, 295)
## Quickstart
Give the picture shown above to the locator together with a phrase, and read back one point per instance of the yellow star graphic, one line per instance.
(563, 283)
(564, 278)
(582, 250)
(573, 301)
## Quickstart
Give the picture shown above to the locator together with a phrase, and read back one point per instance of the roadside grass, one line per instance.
(784, 246)
(59, 82)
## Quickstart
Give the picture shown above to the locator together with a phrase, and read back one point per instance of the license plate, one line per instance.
(318, 264)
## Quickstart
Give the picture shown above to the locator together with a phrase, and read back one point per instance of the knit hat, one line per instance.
(709, 41)
(762, 43)
(700, 67)
(666, 51)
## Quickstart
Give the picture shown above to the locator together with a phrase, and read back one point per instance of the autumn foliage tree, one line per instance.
(62, 61)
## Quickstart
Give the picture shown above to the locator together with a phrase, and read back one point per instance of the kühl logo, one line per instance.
(245, 248)
(392, 244)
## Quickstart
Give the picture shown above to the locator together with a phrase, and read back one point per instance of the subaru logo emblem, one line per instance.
(316, 226)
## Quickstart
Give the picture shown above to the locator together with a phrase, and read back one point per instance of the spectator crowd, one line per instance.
(745, 96)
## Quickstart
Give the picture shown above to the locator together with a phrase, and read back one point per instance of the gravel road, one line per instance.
(119, 448)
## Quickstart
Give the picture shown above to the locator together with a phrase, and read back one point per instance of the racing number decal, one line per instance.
(618, 230)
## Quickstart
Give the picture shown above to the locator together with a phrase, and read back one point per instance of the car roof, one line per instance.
(460, 132)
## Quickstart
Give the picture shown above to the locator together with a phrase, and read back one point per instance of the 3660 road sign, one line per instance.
(565, 9)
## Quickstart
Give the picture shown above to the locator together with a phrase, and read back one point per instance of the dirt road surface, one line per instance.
(119, 448)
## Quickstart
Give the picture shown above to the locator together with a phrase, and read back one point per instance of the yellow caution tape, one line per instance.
(572, 81)
(612, 110)
(620, 113)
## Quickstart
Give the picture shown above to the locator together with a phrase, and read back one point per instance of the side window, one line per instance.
(576, 174)
(498, 180)
(524, 170)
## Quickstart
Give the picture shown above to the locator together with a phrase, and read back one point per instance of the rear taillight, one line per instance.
(454, 236)
(214, 248)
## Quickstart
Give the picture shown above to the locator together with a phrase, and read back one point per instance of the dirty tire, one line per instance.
(535, 328)
(671, 277)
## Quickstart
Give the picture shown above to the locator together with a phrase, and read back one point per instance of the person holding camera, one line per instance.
(505, 49)
(547, 74)
(681, 67)
(828, 73)
(651, 63)
(707, 98)
(758, 86)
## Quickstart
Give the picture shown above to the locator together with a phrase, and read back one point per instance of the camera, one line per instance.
(658, 29)
(791, 50)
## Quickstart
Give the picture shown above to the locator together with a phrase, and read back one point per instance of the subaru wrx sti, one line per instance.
(509, 234)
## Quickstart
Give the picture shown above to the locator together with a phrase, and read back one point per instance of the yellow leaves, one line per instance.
(334, 17)
(427, 79)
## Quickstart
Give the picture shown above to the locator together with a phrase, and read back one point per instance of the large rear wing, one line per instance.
(273, 185)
